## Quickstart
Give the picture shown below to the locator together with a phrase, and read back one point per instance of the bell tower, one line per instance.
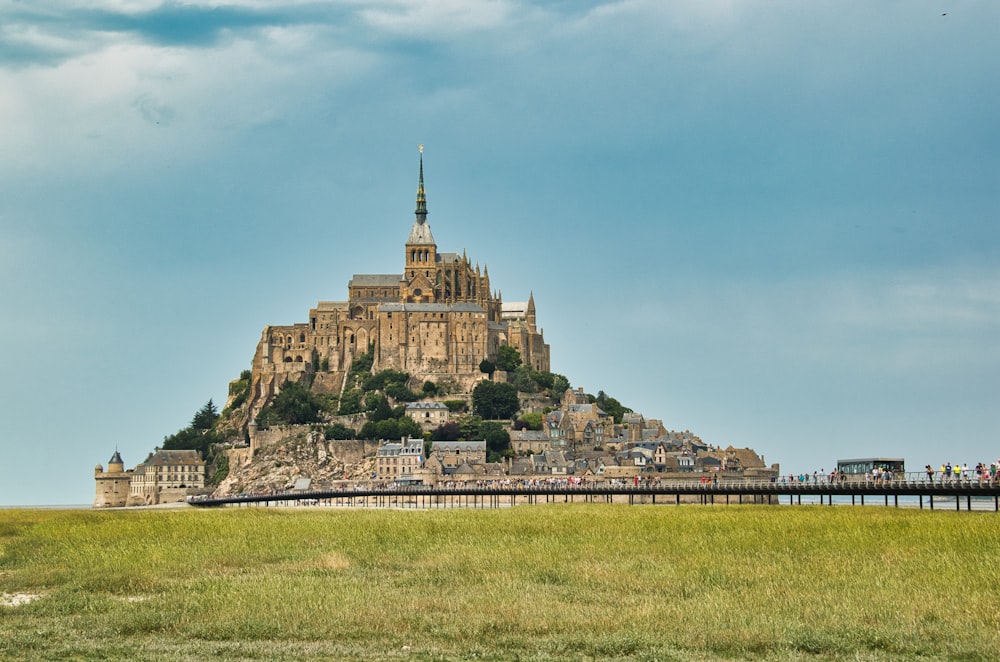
(421, 251)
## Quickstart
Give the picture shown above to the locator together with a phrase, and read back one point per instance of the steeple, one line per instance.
(420, 233)
(421, 196)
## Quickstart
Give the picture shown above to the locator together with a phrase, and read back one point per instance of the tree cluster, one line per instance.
(295, 404)
(495, 400)
(610, 406)
(199, 435)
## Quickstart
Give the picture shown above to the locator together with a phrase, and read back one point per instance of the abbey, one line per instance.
(437, 320)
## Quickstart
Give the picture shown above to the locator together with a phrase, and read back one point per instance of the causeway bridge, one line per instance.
(908, 490)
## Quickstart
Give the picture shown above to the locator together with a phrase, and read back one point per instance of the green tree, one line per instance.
(410, 428)
(400, 393)
(487, 366)
(497, 440)
(495, 401)
(339, 431)
(559, 385)
(523, 380)
(350, 403)
(205, 417)
(377, 407)
(429, 389)
(531, 420)
(508, 358)
(362, 363)
(456, 406)
(450, 431)
(611, 406)
(469, 427)
(199, 435)
(380, 380)
(294, 405)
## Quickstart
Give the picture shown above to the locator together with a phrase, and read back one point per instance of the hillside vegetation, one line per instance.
(558, 582)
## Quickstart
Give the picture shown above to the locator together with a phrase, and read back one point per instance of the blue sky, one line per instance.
(771, 223)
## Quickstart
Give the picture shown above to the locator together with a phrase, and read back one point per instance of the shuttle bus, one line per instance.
(865, 465)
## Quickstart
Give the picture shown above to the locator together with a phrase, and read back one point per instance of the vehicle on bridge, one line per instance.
(866, 465)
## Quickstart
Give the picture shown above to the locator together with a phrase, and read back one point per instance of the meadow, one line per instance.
(546, 582)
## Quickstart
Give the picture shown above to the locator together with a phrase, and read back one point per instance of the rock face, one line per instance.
(293, 453)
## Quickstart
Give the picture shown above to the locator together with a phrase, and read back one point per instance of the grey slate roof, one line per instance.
(173, 458)
(420, 233)
(396, 448)
(426, 405)
(452, 446)
(375, 280)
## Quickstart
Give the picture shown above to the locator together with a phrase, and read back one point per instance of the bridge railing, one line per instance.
(708, 484)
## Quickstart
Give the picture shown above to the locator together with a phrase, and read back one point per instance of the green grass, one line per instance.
(560, 582)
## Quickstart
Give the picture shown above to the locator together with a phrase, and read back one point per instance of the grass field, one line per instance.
(554, 582)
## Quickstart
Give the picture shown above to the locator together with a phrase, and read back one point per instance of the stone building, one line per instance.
(454, 454)
(164, 477)
(430, 415)
(396, 459)
(437, 320)
(167, 477)
(113, 485)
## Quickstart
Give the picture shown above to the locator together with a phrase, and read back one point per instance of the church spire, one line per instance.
(421, 196)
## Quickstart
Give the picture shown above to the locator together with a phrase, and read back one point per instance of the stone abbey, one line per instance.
(437, 320)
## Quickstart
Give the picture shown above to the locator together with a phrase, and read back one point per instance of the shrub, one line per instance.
(456, 406)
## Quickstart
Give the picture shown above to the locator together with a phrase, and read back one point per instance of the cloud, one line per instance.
(877, 323)
(415, 19)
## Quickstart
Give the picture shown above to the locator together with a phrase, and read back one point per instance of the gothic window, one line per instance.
(302, 337)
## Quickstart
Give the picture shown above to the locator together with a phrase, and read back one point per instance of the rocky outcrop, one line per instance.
(300, 453)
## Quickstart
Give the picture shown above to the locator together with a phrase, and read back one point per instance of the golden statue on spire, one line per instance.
(421, 148)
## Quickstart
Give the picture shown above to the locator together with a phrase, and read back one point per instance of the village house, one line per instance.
(167, 477)
(429, 415)
(529, 442)
(452, 454)
(396, 459)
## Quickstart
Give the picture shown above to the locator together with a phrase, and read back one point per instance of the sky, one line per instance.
(774, 224)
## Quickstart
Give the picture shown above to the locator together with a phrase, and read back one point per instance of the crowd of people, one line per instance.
(982, 473)
(953, 473)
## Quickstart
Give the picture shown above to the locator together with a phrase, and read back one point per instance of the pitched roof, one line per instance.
(163, 458)
(426, 405)
(375, 280)
(420, 233)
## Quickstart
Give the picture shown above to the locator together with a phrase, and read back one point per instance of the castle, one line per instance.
(437, 320)
(164, 477)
